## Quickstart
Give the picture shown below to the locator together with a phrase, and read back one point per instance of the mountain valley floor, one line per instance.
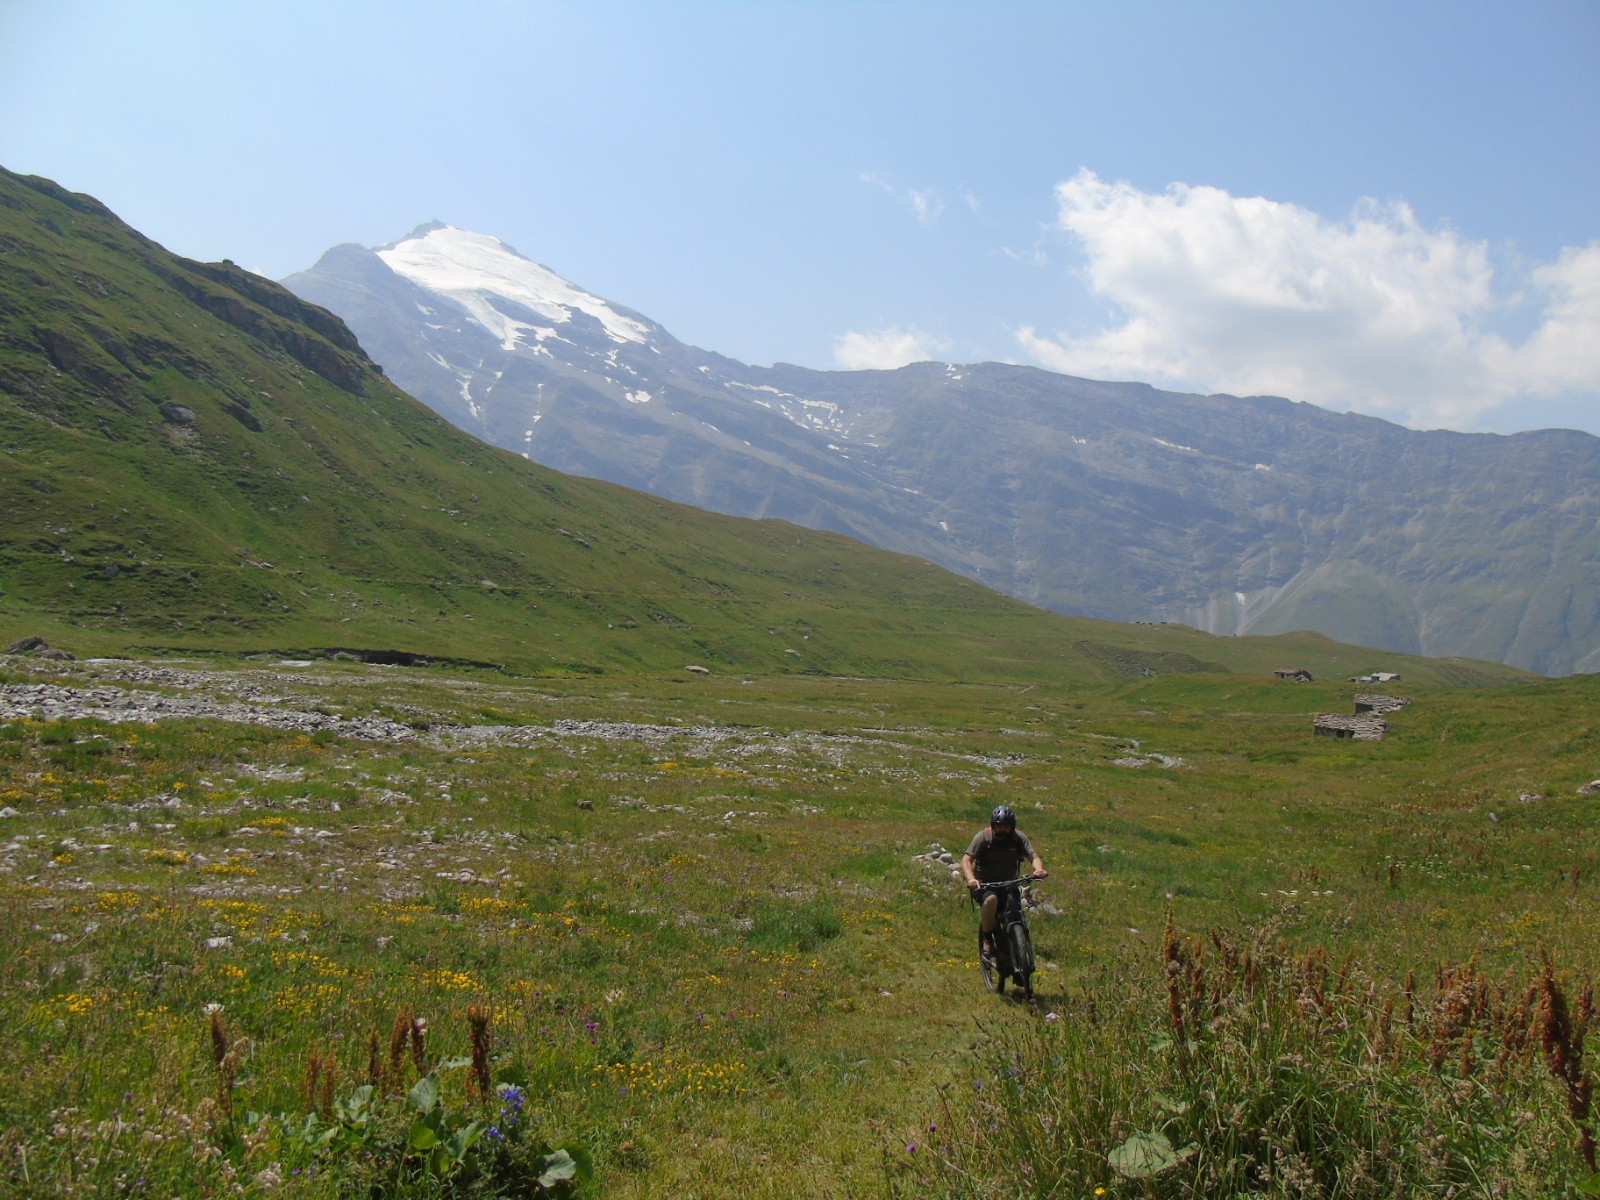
(685, 927)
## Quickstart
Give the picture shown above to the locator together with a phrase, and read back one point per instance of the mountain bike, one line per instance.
(1013, 948)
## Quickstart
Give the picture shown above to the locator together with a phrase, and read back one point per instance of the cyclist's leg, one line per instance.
(989, 913)
(988, 918)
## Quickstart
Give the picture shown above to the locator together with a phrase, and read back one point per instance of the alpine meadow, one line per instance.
(383, 814)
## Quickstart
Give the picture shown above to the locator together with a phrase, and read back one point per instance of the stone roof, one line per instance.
(1380, 704)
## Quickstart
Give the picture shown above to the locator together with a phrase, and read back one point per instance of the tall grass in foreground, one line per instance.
(1250, 1071)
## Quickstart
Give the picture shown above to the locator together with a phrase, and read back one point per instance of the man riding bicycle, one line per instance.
(995, 855)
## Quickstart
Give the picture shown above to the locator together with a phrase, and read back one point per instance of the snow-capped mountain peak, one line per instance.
(475, 269)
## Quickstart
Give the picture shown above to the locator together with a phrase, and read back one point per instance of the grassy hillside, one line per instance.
(193, 459)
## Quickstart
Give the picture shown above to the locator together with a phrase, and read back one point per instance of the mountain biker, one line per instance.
(995, 855)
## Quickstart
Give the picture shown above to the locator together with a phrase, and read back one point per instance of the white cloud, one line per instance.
(884, 349)
(1563, 354)
(925, 204)
(1033, 256)
(1374, 313)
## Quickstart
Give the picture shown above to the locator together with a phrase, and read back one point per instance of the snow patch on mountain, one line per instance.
(474, 270)
(820, 415)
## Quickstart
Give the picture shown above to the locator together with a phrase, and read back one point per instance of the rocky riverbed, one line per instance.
(294, 698)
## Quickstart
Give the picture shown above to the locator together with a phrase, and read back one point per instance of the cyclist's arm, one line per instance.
(966, 869)
(1038, 863)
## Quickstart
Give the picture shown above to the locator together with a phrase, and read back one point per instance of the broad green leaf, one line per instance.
(1589, 1186)
(423, 1136)
(454, 1064)
(1143, 1155)
(424, 1094)
(462, 1140)
(580, 1156)
(559, 1167)
(356, 1107)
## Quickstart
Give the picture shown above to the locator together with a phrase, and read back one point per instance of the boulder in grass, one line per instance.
(1590, 788)
(37, 647)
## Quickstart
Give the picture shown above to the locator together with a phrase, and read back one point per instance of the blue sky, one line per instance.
(1389, 207)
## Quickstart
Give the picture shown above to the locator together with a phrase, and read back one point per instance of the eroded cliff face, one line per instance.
(1253, 515)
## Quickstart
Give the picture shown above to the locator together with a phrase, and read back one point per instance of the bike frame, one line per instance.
(1012, 912)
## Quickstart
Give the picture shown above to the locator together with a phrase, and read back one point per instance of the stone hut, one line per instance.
(1380, 704)
(1294, 674)
(1363, 727)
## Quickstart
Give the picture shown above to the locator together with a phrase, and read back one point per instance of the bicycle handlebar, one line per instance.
(1008, 883)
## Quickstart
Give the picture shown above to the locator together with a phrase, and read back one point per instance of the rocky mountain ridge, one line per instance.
(193, 460)
(1116, 500)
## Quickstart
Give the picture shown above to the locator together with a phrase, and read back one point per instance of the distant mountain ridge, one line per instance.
(193, 459)
(1115, 500)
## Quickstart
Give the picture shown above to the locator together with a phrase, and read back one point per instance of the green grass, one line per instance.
(713, 958)
(695, 924)
(1251, 1070)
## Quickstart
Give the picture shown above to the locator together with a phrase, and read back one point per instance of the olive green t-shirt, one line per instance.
(996, 857)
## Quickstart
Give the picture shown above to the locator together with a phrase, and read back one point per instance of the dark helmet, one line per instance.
(1003, 814)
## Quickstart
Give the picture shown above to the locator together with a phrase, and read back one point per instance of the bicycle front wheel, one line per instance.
(994, 979)
(1022, 957)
